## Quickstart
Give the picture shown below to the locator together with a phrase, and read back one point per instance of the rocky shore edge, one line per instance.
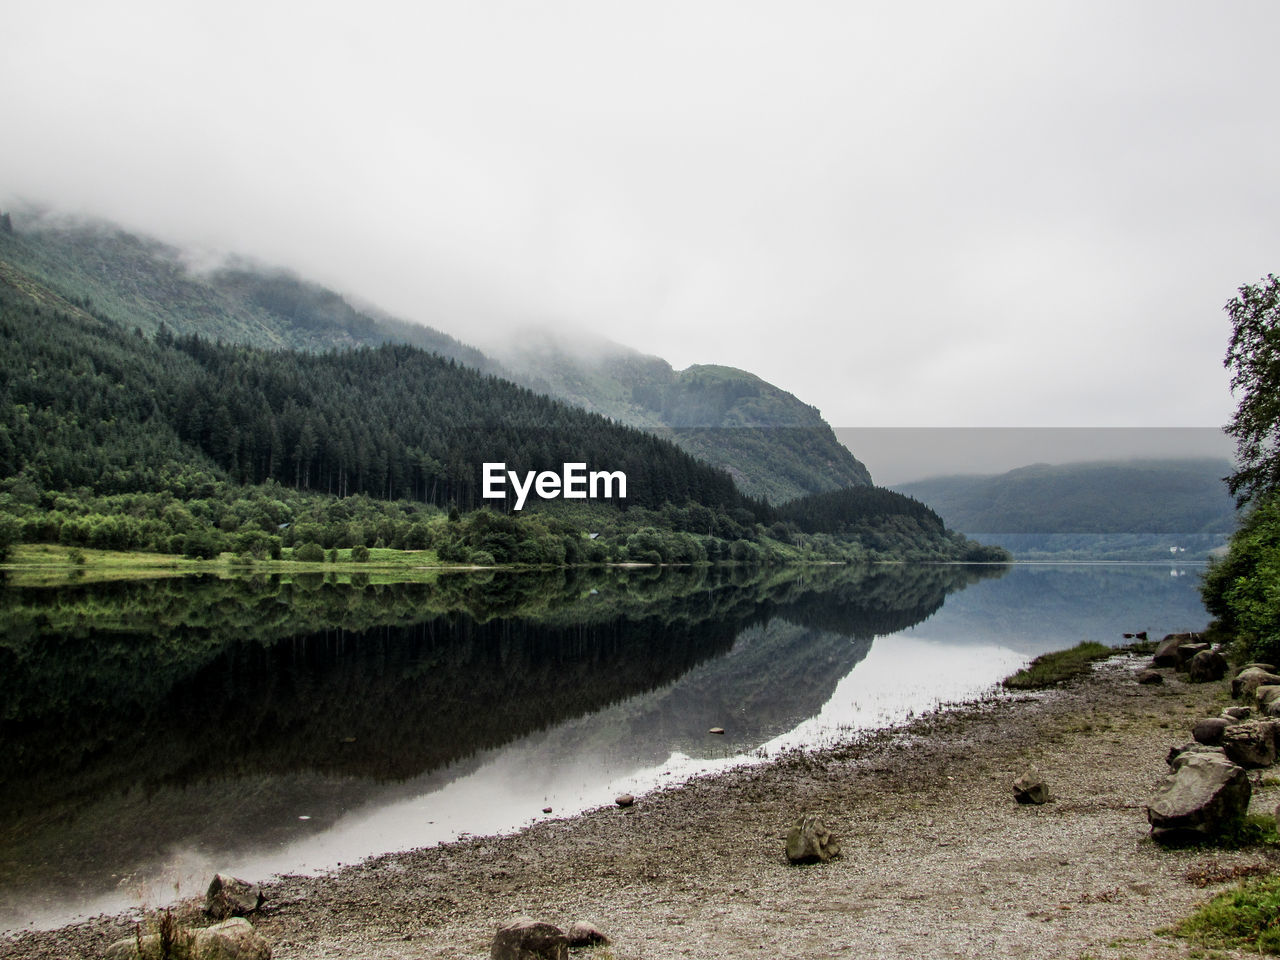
(936, 856)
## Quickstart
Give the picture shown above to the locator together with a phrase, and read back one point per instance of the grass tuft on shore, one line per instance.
(1247, 916)
(1050, 668)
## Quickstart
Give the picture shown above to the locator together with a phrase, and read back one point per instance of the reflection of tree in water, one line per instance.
(382, 682)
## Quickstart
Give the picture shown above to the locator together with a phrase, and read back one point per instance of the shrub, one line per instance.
(309, 553)
(360, 553)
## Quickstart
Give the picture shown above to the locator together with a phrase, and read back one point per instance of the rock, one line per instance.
(1207, 666)
(625, 800)
(719, 730)
(1149, 676)
(233, 939)
(583, 933)
(808, 841)
(1267, 667)
(1204, 795)
(1031, 788)
(1237, 713)
(546, 809)
(1166, 654)
(1251, 744)
(1186, 651)
(1210, 730)
(1248, 680)
(1177, 755)
(1265, 694)
(181, 947)
(231, 897)
(527, 939)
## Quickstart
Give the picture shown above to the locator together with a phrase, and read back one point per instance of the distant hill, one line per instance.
(1104, 497)
(774, 445)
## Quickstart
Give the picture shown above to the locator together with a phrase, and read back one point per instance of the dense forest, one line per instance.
(111, 438)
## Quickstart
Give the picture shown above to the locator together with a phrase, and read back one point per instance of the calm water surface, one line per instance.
(156, 732)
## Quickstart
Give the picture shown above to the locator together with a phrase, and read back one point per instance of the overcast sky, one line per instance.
(908, 214)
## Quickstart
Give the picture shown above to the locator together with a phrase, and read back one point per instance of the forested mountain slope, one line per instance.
(1114, 496)
(773, 445)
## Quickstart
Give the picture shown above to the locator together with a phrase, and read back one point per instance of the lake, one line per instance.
(155, 732)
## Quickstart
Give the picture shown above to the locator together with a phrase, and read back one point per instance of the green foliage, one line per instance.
(1246, 917)
(1253, 357)
(1242, 590)
(360, 553)
(309, 553)
(1050, 668)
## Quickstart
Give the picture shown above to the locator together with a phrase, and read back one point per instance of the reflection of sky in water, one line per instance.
(901, 677)
(982, 634)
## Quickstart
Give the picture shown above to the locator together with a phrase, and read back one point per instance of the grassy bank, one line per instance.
(1050, 668)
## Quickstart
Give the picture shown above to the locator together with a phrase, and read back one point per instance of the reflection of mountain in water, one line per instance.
(1042, 607)
(245, 704)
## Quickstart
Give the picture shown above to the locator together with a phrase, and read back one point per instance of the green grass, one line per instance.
(46, 564)
(1247, 916)
(1050, 668)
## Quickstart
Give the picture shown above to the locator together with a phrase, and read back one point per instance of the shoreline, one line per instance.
(938, 859)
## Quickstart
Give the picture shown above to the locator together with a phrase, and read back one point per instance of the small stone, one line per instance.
(1209, 731)
(231, 897)
(809, 841)
(719, 730)
(233, 939)
(527, 939)
(1237, 713)
(583, 933)
(1031, 788)
(546, 809)
(625, 800)
(1149, 676)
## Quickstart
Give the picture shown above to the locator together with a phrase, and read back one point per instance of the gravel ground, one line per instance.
(938, 862)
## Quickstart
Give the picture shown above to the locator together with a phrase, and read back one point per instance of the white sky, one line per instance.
(923, 214)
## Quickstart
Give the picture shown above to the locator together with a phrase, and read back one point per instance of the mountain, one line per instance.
(1103, 510)
(774, 445)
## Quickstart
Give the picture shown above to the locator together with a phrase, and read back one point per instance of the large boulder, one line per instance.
(1188, 650)
(231, 897)
(809, 841)
(1250, 744)
(1031, 788)
(1210, 730)
(1207, 666)
(1166, 654)
(1265, 694)
(1178, 755)
(1248, 680)
(1237, 713)
(1203, 796)
(1149, 677)
(527, 939)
